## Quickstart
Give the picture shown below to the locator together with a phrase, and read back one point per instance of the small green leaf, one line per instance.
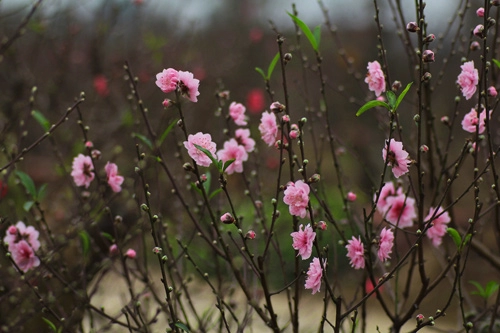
(85, 238)
(261, 72)
(317, 34)
(490, 289)
(370, 105)
(143, 139)
(182, 327)
(480, 291)
(42, 191)
(455, 236)
(496, 62)
(401, 96)
(40, 118)
(214, 193)
(28, 183)
(305, 29)
(273, 63)
(108, 236)
(208, 153)
(228, 163)
(50, 324)
(27, 205)
(391, 98)
(167, 130)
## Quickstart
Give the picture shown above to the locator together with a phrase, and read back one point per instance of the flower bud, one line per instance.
(428, 56)
(420, 318)
(322, 225)
(412, 27)
(424, 148)
(314, 178)
(130, 254)
(480, 12)
(96, 154)
(223, 94)
(426, 77)
(113, 249)
(157, 250)
(166, 103)
(474, 46)
(430, 38)
(445, 120)
(277, 107)
(227, 218)
(287, 57)
(250, 234)
(479, 31)
(396, 85)
(351, 196)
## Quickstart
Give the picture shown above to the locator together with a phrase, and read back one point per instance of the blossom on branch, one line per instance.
(82, 172)
(375, 78)
(436, 232)
(356, 253)
(114, 180)
(237, 113)
(268, 128)
(385, 244)
(468, 79)
(297, 198)
(314, 275)
(303, 241)
(397, 157)
(204, 141)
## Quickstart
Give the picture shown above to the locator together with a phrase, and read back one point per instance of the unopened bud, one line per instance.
(412, 27)
(227, 218)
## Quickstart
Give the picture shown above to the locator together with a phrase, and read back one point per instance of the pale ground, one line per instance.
(113, 293)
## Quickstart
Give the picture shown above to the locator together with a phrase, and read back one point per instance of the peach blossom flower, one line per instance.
(204, 141)
(468, 79)
(303, 241)
(386, 191)
(356, 253)
(167, 80)
(471, 120)
(297, 198)
(492, 91)
(242, 135)
(20, 232)
(101, 85)
(385, 244)
(131, 254)
(314, 275)
(24, 256)
(250, 234)
(188, 86)
(114, 181)
(82, 170)
(400, 211)
(237, 113)
(268, 128)
(397, 158)
(438, 229)
(375, 78)
(232, 150)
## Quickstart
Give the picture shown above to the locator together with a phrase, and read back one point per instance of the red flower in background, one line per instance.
(101, 85)
(255, 101)
(3, 189)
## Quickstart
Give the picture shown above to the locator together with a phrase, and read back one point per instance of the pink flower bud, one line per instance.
(412, 27)
(322, 225)
(203, 178)
(445, 120)
(428, 56)
(381, 99)
(130, 254)
(420, 318)
(474, 46)
(277, 107)
(424, 148)
(96, 154)
(227, 218)
(351, 196)
(12, 230)
(430, 38)
(250, 234)
(157, 250)
(89, 144)
(294, 134)
(479, 31)
(286, 118)
(480, 12)
(492, 92)
(166, 103)
(113, 249)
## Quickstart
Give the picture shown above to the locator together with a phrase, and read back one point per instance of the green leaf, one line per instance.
(167, 130)
(214, 193)
(401, 96)
(228, 163)
(305, 29)
(480, 291)
(108, 236)
(50, 324)
(496, 62)
(40, 118)
(261, 72)
(85, 238)
(391, 98)
(317, 34)
(370, 105)
(42, 191)
(27, 205)
(143, 139)
(273, 63)
(490, 289)
(182, 327)
(455, 236)
(208, 153)
(28, 183)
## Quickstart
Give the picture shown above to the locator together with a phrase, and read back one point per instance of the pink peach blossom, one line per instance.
(131, 254)
(397, 158)
(24, 256)
(204, 141)
(479, 31)
(167, 80)
(20, 232)
(386, 191)
(471, 120)
(297, 198)
(268, 128)
(492, 91)
(303, 241)
(322, 225)
(385, 244)
(82, 170)
(232, 150)
(114, 181)
(375, 78)
(468, 79)
(242, 135)
(400, 211)
(356, 253)
(480, 12)
(250, 234)
(101, 85)
(438, 229)
(314, 275)
(351, 196)
(188, 86)
(237, 113)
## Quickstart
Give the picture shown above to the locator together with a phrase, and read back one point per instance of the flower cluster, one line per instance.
(83, 173)
(22, 242)
(183, 82)
(396, 207)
